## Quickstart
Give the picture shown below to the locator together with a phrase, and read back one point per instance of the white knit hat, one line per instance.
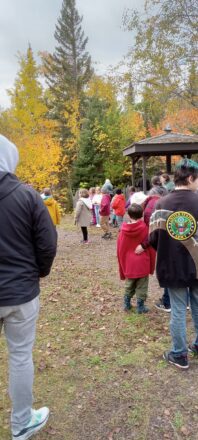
(138, 197)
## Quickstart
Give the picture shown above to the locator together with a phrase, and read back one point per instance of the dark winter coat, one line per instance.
(173, 234)
(27, 241)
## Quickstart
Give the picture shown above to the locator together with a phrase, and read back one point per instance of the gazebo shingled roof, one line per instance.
(168, 144)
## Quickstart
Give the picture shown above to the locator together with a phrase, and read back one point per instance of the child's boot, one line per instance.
(141, 308)
(127, 303)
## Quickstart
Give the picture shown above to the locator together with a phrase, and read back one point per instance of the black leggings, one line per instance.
(84, 232)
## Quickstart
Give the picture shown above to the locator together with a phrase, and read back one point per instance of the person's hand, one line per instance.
(139, 249)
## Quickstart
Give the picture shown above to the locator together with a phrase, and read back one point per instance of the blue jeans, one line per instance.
(97, 209)
(119, 219)
(166, 298)
(179, 301)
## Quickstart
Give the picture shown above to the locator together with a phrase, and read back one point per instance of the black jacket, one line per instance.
(173, 233)
(28, 241)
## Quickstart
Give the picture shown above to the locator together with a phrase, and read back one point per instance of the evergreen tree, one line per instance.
(130, 95)
(89, 167)
(68, 70)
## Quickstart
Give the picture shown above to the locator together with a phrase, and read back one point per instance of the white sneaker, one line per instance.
(98, 226)
(37, 422)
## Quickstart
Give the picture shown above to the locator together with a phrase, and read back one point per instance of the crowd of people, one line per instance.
(160, 225)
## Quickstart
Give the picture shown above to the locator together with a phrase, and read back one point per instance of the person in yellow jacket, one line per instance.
(51, 205)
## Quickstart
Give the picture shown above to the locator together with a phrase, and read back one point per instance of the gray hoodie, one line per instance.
(9, 155)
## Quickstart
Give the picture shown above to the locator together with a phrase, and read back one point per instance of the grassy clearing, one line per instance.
(100, 371)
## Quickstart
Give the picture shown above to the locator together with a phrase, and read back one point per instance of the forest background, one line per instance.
(71, 125)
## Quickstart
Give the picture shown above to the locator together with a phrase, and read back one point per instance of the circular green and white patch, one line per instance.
(181, 225)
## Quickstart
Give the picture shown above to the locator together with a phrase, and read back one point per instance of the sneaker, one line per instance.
(109, 235)
(37, 422)
(98, 226)
(178, 361)
(192, 348)
(161, 306)
(105, 235)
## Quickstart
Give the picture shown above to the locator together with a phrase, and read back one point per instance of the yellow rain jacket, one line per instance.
(53, 209)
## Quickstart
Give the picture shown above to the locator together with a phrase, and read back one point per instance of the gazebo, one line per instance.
(168, 145)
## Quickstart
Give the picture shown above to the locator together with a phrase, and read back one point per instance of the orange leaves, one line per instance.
(185, 121)
(181, 121)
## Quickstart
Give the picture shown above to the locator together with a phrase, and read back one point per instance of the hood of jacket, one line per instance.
(160, 190)
(9, 155)
(120, 197)
(8, 183)
(151, 199)
(49, 201)
(134, 230)
(87, 202)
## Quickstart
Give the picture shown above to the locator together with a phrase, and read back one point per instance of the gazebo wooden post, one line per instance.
(144, 159)
(168, 164)
(133, 171)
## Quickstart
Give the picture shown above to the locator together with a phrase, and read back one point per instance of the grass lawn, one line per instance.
(99, 370)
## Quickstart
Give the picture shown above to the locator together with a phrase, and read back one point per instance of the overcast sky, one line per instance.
(33, 21)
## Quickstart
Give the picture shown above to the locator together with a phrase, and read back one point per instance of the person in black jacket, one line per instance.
(174, 235)
(27, 249)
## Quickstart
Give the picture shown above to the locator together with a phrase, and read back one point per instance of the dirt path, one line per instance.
(101, 372)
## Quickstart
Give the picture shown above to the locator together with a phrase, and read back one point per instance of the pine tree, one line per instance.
(68, 70)
(89, 167)
(130, 95)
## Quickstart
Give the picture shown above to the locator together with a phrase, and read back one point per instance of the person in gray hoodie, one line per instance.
(28, 246)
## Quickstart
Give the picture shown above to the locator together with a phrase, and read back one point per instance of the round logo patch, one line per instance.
(181, 225)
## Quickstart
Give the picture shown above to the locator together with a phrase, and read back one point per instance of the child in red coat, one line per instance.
(134, 268)
(118, 204)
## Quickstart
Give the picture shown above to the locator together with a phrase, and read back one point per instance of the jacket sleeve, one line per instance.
(154, 235)
(78, 210)
(153, 239)
(44, 237)
(103, 206)
(115, 203)
(122, 276)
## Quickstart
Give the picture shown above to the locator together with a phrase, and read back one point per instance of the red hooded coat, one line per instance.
(118, 204)
(132, 265)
